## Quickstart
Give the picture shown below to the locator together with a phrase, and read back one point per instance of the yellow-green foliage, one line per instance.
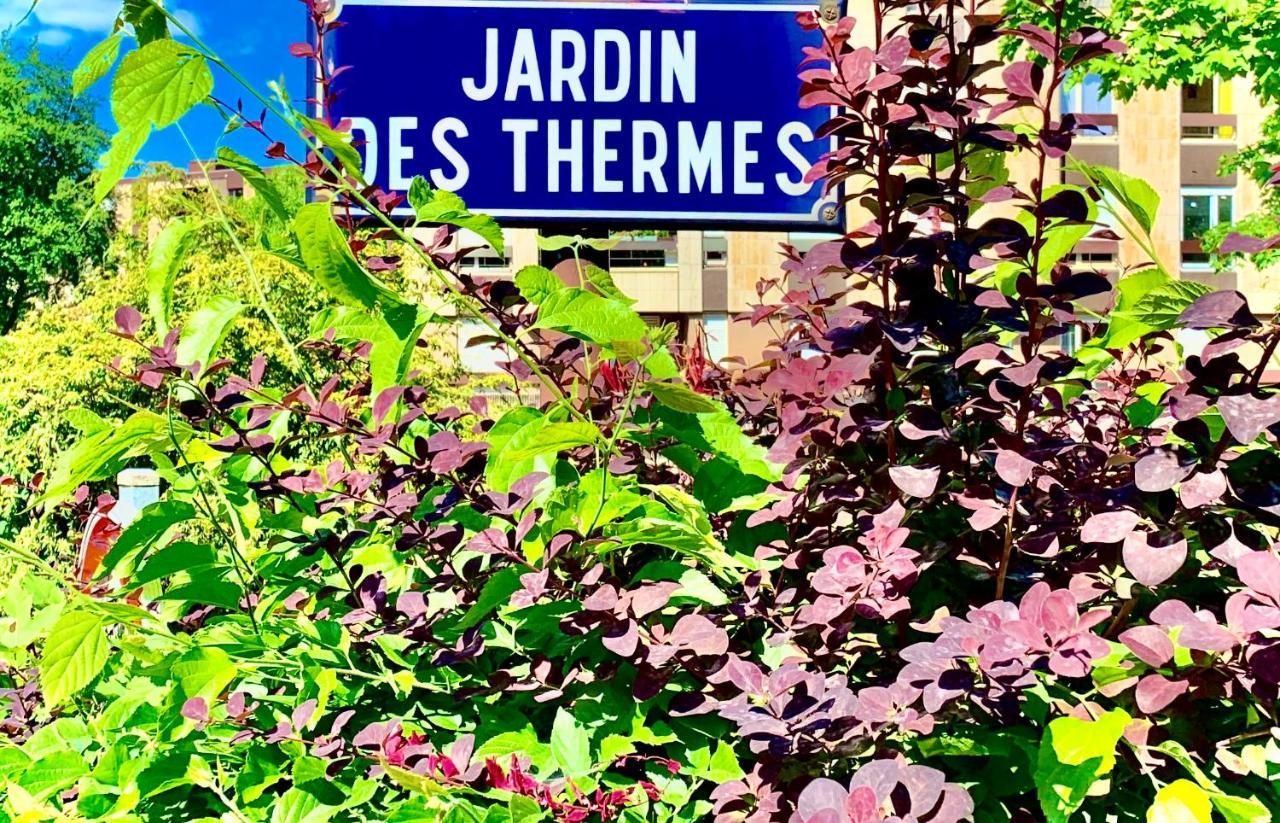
(60, 356)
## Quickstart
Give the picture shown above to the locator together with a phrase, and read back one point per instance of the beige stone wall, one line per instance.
(1150, 148)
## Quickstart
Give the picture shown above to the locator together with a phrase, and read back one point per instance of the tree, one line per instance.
(49, 145)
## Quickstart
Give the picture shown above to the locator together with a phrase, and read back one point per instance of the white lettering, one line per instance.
(398, 152)
(605, 37)
(700, 161)
(794, 187)
(439, 138)
(524, 72)
(469, 86)
(567, 75)
(644, 164)
(557, 155)
(520, 130)
(744, 158)
(602, 156)
(679, 65)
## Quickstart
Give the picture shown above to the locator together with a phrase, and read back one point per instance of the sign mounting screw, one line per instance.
(830, 213)
(830, 10)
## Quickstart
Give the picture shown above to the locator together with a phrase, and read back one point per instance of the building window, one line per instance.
(1208, 110)
(477, 356)
(483, 259)
(652, 250)
(803, 241)
(715, 327)
(1087, 97)
(1203, 209)
(715, 249)
(235, 193)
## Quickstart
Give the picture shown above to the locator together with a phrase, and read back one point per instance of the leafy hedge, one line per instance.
(923, 564)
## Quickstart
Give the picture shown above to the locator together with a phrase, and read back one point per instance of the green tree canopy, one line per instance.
(49, 145)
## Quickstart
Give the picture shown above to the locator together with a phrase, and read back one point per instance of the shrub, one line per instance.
(926, 565)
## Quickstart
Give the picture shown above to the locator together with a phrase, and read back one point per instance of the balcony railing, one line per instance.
(1199, 126)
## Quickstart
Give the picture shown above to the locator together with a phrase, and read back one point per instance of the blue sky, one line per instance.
(252, 35)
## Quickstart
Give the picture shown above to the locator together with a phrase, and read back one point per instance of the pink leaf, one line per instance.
(1152, 565)
(1013, 468)
(914, 480)
(1203, 489)
(1109, 527)
(1151, 644)
(1155, 692)
(1247, 416)
(1159, 471)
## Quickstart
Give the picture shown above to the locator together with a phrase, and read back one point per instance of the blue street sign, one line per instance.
(560, 111)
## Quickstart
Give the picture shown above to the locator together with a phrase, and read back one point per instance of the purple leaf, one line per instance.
(1236, 243)
(1260, 571)
(1109, 527)
(1248, 416)
(1021, 79)
(196, 709)
(1219, 310)
(1013, 468)
(1155, 692)
(1159, 471)
(302, 715)
(128, 321)
(1152, 565)
(1203, 489)
(699, 635)
(915, 480)
(1151, 644)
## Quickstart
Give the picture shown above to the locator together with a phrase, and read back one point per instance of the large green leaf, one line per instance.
(1135, 194)
(550, 438)
(602, 282)
(1073, 755)
(329, 260)
(570, 745)
(53, 773)
(167, 256)
(158, 83)
(147, 19)
(74, 655)
(682, 398)
(118, 159)
(101, 454)
(258, 179)
(1161, 307)
(392, 335)
(719, 433)
(151, 524)
(203, 672)
(440, 206)
(96, 63)
(537, 283)
(590, 317)
(345, 155)
(524, 441)
(206, 328)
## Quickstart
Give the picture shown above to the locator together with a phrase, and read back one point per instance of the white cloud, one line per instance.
(53, 37)
(60, 20)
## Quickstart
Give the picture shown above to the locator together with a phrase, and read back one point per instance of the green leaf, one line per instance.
(147, 19)
(1135, 194)
(602, 282)
(346, 157)
(556, 242)
(590, 317)
(1073, 755)
(98, 455)
(550, 438)
(519, 446)
(440, 206)
(176, 557)
(202, 672)
(262, 184)
(118, 159)
(152, 523)
(570, 745)
(300, 806)
(391, 347)
(496, 592)
(159, 83)
(96, 64)
(682, 398)
(329, 260)
(537, 283)
(167, 256)
(412, 781)
(53, 774)
(1162, 307)
(1180, 802)
(206, 328)
(719, 433)
(74, 655)
(207, 589)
